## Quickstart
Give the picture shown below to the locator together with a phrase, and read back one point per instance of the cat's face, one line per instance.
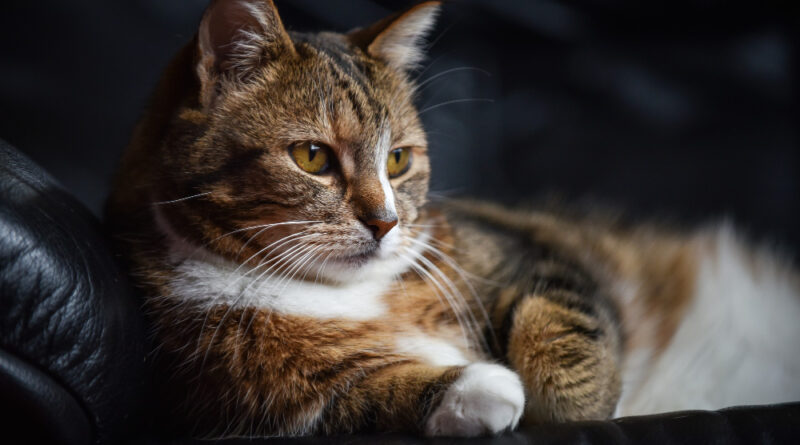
(307, 149)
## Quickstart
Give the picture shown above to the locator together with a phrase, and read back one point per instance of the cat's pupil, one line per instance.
(312, 152)
(397, 156)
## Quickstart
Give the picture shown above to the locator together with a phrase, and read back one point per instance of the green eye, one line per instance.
(311, 157)
(399, 161)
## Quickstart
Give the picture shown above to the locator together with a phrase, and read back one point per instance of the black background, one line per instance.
(686, 110)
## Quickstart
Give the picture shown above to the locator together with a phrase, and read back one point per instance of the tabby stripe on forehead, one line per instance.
(351, 88)
(356, 105)
(344, 64)
(349, 77)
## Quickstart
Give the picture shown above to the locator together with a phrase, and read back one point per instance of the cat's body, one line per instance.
(292, 296)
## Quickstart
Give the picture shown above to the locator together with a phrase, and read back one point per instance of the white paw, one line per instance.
(486, 398)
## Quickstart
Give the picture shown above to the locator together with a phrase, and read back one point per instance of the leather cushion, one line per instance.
(750, 425)
(69, 326)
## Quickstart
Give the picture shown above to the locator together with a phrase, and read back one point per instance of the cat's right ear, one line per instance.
(235, 38)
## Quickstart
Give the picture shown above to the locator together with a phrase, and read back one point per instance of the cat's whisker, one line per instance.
(288, 257)
(430, 65)
(321, 268)
(296, 266)
(441, 195)
(463, 275)
(185, 198)
(440, 293)
(225, 316)
(454, 293)
(309, 255)
(424, 226)
(272, 246)
(299, 267)
(282, 241)
(448, 71)
(454, 101)
(454, 264)
(449, 295)
(243, 229)
(269, 226)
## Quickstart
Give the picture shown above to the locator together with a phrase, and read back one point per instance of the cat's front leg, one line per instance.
(477, 399)
(566, 348)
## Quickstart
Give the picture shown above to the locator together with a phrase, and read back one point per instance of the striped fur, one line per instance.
(276, 310)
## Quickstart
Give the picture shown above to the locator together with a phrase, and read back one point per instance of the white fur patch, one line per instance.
(486, 398)
(433, 351)
(214, 281)
(383, 147)
(737, 343)
(208, 280)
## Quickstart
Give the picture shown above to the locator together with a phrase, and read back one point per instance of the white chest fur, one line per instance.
(207, 280)
(213, 281)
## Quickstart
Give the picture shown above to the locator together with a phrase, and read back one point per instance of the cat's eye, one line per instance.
(312, 157)
(399, 161)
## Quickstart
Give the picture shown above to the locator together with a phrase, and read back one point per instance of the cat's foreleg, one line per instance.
(477, 399)
(565, 348)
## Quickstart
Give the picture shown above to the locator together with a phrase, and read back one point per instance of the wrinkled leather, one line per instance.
(66, 313)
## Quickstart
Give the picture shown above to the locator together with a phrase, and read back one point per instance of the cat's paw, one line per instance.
(487, 398)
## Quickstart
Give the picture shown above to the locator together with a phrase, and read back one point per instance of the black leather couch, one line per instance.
(73, 362)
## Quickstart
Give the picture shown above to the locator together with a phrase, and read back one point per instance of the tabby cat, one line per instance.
(272, 208)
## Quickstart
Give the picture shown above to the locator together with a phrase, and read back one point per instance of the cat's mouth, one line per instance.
(359, 258)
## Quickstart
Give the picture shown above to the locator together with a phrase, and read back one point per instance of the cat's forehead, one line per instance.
(341, 56)
(334, 93)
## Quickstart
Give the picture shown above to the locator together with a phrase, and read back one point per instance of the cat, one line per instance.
(272, 209)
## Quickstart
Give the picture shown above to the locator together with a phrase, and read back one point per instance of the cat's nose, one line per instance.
(380, 225)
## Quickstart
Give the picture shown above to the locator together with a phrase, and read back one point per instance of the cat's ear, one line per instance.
(398, 39)
(235, 38)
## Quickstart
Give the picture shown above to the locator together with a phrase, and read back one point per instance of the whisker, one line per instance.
(222, 321)
(451, 70)
(454, 101)
(269, 226)
(287, 257)
(258, 226)
(185, 198)
(321, 269)
(463, 275)
(231, 284)
(441, 291)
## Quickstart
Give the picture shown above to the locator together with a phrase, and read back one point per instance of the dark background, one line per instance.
(687, 110)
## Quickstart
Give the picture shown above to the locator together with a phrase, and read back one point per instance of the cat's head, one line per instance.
(300, 149)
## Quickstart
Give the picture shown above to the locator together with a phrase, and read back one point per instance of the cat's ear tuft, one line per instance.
(236, 37)
(398, 40)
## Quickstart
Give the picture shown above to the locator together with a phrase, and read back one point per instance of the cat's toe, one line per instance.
(487, 398)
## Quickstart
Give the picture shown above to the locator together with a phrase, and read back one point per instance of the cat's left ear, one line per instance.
(398, 39)
(234, 39)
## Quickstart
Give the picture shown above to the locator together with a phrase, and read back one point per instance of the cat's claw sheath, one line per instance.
(487, 398)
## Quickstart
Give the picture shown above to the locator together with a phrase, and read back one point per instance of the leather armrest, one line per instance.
(72, 343)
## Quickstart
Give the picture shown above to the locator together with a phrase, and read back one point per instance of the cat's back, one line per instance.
(709, 320)
(735, 339)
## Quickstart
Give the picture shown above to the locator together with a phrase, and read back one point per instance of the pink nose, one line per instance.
(380, 226)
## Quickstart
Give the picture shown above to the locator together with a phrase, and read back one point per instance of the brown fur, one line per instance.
(210, 157)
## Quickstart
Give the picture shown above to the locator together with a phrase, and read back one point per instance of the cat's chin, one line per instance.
(358, 260)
